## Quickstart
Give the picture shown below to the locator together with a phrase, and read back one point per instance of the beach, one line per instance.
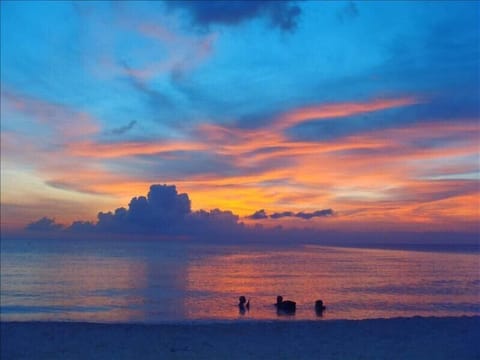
(398, 338)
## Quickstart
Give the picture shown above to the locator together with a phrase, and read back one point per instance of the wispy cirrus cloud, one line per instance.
(131, 148)
(329, 111)
(123, 129)
(60, 120)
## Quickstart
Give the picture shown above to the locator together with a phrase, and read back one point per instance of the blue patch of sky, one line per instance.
(76, 54)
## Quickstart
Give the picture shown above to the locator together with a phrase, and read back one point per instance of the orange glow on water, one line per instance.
(154, 281)
(331, 274)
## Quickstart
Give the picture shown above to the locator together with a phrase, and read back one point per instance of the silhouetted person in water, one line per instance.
(243, 304)
(319, 307)
(285, 307)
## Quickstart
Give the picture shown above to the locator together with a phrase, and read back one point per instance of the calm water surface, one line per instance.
(148, 281)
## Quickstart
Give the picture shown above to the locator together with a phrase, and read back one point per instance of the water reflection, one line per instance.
(355, 283)
(155, 281)
(75, 288)
(91, 281)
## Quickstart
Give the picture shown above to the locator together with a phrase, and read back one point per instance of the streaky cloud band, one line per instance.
(261, 214)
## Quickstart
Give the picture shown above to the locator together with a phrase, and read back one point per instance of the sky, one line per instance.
(359, 116)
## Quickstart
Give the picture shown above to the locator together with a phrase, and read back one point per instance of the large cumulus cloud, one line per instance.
(280, 14)
(162, 212)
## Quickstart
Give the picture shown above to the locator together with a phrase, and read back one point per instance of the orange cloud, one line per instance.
(124, 149)
(336, 174)
(372, 179)
(328, 111)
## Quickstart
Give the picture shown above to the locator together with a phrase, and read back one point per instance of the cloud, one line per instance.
(56, 119)
(279, 215)
(137, 79)
(257, 215)
(181, 54)
(214, 221)
(82, 226)
(261, 214)
(306, 114)
(44, 224)
(318, 213)
(280, 14)
(162, 212)
(130, 148)
(123, 129)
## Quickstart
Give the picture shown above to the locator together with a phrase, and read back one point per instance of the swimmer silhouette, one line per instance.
(243, 304)
(285, 307)
(319, 307)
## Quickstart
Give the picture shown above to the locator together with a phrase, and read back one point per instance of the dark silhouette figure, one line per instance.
(243, 304)
(285, 307)
(319, 307)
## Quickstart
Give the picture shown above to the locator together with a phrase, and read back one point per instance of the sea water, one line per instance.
(162, 281)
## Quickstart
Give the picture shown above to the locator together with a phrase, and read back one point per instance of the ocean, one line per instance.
(163, 281)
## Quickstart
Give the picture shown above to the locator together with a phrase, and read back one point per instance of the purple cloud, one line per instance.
(162, 212)
(261, 214)
(44, 224)
(257, 215)
(281, 14)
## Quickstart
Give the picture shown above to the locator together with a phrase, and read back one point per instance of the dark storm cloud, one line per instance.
(280, 14)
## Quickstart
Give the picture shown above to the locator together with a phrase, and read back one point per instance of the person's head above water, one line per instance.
(279, 299)
(242, 300)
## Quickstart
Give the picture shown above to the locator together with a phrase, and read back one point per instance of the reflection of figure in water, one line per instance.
(285, 307)
(319, 307)
(243, 305)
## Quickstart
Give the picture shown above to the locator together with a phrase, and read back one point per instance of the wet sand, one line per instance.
(401, 338)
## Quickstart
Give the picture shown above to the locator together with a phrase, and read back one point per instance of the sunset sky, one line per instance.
(369, 110)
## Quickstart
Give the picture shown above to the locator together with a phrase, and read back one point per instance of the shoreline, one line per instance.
(396, 338)
(202, 322)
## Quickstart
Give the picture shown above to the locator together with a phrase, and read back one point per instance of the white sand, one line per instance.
(408, 338)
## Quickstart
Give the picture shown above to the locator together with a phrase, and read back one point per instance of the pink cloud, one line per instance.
(63, 121)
